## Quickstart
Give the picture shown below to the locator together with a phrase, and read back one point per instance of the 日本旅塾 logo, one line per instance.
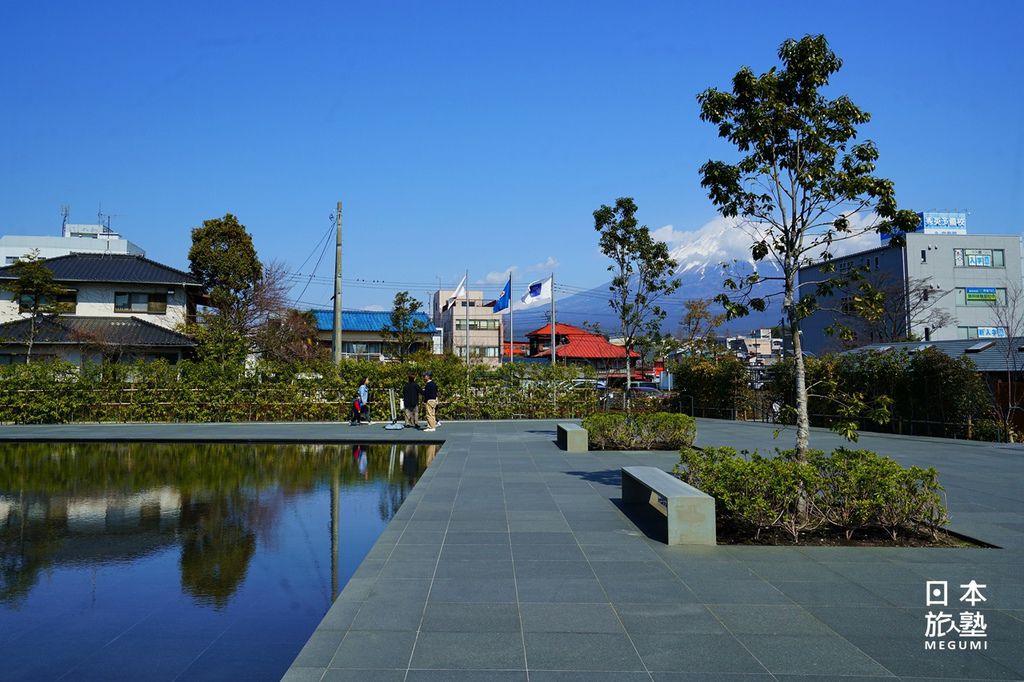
(964, 629)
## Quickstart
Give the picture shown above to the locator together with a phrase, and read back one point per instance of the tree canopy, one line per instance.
(405, 326)
(801, 185)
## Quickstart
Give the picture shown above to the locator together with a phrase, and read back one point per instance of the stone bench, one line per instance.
(572, 438)
(690, 512)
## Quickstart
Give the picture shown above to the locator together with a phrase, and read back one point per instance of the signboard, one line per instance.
(943, 223)
(991, 333)
(938, 222)
(984, 294)
(978, 258)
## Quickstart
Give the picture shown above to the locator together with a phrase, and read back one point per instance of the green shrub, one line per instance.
(850, 490)
(645, 431)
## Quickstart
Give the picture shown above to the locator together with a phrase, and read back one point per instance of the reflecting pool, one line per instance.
(182, 561)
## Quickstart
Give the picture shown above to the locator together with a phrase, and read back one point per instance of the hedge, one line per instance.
(849, 490)
(644, 431)
(55, 392)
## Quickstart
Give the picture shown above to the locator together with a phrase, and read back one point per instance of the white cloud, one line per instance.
(376, 308)
(550, 263)
(502, 276)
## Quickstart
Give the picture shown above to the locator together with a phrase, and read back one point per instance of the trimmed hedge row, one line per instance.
(850, 490)
(644, 431)
(206, 391)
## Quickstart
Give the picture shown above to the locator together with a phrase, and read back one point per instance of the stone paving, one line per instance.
(512, 560)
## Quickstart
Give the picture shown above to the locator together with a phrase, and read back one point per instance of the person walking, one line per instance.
(364, 398)
(430, 398)
(411, 401)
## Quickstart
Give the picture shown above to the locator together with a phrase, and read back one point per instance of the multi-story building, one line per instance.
(485, 326)
(942, 284)
(113, 306)
(74, 238)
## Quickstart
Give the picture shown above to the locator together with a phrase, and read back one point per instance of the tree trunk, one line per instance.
(31, 339)
(803, 422)
(629, 381)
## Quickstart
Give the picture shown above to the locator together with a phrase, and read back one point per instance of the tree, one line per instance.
(290, 338)
(641, 274)
(698, 326)
(405, 326)
(224, 261)
(244, 293)
(35, 293)
(801, 185)
(1009, 316)
(877, 307)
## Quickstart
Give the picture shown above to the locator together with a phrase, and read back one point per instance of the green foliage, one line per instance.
(224, 261)
(34, 290)
(405, 328)
(849, 490)
(653, 431)
(717, 383)
(214, 391)
(879, 391)
(641, 270)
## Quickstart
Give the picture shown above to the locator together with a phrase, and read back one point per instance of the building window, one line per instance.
(979, 258)
(134, 302)
(981, 332)
(66, 303)
(361, 348)
(460, 324)
(11, 260)
(924, 256)
(980, 296)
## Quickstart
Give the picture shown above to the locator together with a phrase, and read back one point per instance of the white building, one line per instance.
(123, 305)
(75, 238)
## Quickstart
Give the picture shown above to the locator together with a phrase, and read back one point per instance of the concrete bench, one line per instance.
(572, 438)
(690, 512)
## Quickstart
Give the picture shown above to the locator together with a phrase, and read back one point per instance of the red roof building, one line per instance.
(578, 346)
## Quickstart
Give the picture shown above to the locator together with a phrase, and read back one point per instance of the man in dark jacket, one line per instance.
(411, 402)
(430, 399)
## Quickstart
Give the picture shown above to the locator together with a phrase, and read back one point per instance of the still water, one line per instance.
(182, 561)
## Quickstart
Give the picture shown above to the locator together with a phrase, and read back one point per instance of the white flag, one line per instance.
(537, 293)
(460, 292)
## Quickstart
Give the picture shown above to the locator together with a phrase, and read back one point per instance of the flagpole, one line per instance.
(467, 320)
(511, 323)
(553, 319)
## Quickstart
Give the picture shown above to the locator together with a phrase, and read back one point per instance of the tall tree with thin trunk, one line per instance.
(641, 270)
(801, 183)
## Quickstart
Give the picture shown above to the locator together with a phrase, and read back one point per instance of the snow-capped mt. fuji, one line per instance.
(700, 255)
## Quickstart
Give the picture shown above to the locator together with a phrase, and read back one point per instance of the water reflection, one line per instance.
(241, 521)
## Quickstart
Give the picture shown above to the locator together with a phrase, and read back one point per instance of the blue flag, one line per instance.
(506, 296)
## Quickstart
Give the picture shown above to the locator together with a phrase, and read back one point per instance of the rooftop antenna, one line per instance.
(64, 211)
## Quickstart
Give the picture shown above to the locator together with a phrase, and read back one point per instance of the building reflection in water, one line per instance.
(74, 505)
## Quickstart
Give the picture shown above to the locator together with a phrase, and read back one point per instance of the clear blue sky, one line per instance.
(464, 134)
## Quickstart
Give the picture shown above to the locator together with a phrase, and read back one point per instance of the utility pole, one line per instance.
(336, 341)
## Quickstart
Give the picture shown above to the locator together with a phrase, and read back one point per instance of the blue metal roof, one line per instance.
(364, 321)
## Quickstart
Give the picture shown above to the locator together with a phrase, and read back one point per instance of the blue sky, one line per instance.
(469, 134)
